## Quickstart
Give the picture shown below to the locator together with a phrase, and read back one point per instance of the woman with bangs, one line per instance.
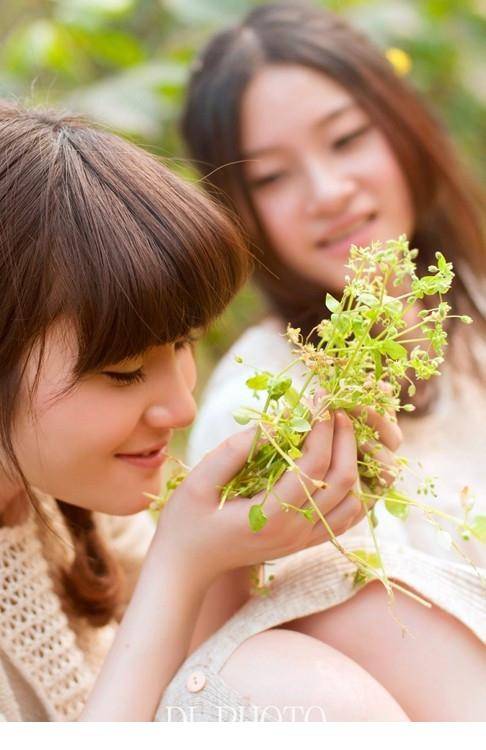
(108, 265)
(301, 128)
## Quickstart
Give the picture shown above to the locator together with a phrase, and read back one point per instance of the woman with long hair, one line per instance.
(108, 265)
(305, 134)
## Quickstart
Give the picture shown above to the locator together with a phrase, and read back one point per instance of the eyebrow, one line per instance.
(321, 122)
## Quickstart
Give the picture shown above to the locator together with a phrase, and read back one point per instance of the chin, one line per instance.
(134, 504)
(124, 503)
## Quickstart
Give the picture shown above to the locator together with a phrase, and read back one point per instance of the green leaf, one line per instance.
(308, 513)
(370, 558)
(108, 46)
(332, 303)
(441, 262)
(278, 386)
(367, 299)
(241, 416)
(89, 13)
(292, 397)
(294, 452)
(257, 517)
(394, 349)
(258, 382)
(478, 528)
(395, 505)
(299, 424)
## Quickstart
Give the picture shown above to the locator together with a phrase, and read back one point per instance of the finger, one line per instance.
(342, 476)
(387, 430)
(385, 460)
(221, 464)
(343, 468)
(340, 519)
(313, 466)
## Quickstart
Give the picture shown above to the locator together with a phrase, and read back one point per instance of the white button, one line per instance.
(196, 682)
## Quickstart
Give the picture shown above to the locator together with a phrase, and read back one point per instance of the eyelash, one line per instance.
(267, 180)
(138, 376)
(351, 137)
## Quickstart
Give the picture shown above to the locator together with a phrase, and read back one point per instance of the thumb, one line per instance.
(223, 462)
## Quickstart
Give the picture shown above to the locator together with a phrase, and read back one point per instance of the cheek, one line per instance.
(385, 177)
(280, 215)
(83, 429)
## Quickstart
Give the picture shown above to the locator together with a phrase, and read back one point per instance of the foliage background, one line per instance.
(125, 62)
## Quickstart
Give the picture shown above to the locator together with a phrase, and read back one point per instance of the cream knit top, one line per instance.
(49, 657)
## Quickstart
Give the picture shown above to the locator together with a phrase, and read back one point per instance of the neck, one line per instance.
(13, 502)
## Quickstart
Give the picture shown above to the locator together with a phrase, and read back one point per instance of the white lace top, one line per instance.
(450, 443)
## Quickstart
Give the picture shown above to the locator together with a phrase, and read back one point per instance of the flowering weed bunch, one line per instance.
(365, 354)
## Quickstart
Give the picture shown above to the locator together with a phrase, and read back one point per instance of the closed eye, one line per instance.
(351, 136)
(267, 179)
(137, 376)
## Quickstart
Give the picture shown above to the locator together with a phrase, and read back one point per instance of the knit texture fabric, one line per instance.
(56, 652)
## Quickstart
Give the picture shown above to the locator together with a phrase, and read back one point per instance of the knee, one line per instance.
(284, 668)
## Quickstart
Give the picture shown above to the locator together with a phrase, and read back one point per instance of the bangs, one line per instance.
(139, 258)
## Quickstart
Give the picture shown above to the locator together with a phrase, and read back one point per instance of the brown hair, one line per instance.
(98, 231)
(446, 200)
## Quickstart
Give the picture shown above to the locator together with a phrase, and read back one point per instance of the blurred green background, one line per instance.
(125, 62)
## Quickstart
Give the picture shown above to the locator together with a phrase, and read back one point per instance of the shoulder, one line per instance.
(262, 346)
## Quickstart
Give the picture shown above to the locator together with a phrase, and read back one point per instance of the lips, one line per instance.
(150, 458)
(345, 232)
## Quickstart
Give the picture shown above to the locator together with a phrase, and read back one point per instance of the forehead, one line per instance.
(284, 100)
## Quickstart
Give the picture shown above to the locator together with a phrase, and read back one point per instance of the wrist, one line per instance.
(187, 566)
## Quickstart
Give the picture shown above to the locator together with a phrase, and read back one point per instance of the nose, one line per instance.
(173, 407)
(329, 190)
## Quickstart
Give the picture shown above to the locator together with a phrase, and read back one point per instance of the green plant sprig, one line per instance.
(361, 355)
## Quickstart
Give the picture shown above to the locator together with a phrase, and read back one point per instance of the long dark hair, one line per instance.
(99, 232)
(446, 200)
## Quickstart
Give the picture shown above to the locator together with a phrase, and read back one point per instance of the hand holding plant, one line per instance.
(359, 361)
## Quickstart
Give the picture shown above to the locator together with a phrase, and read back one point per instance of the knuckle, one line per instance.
(288, 540)
(356, 506)
(348, 476)
(395, 439)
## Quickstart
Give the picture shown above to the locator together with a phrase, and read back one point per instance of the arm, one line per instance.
(196, 544)
(152, 639)
(224, 597)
